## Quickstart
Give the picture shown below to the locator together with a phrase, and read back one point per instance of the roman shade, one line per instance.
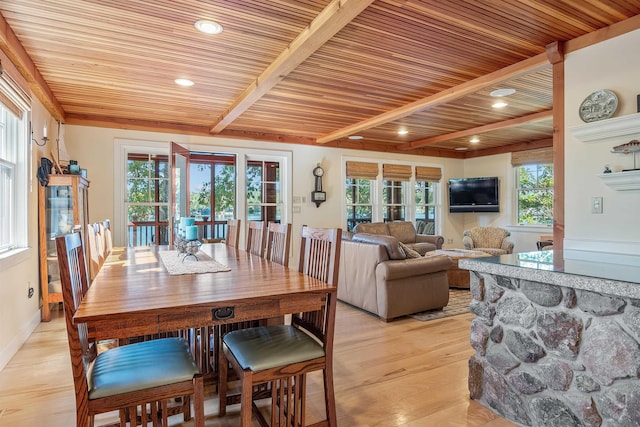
(396, 172)
(537, 156)
(362, 170)
(430, 174)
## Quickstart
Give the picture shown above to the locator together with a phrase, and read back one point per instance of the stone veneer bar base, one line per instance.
(554, 356)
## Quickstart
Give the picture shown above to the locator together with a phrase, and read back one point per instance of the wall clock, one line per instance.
(317, 195)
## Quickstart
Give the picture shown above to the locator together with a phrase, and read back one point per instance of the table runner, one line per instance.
(181, 264)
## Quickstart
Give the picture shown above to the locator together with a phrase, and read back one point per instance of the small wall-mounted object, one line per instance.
(317, 195)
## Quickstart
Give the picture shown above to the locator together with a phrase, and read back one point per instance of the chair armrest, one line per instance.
(507, 245)
(467, 242)
(411, 267)
(425, 238)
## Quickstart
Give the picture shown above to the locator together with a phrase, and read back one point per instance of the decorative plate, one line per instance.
(599, 105)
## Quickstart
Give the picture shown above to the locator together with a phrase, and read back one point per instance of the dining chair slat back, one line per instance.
(233, 233)
(255, 237)
(292, 351)
(278, 243)
(164, 369)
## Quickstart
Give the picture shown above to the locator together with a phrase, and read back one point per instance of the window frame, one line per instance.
(517, 189)
(377, 201)
(14, 249)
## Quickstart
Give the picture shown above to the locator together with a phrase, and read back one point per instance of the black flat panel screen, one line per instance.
(474, 195)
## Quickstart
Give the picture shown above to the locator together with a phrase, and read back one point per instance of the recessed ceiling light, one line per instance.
(184, 82)
(461, 149)
(403, 132)
(208, 27)
(500, 104)
(474, 140)
(503, 92)
(356, 137)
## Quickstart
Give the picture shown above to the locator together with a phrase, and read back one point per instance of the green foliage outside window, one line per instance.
(535, 194)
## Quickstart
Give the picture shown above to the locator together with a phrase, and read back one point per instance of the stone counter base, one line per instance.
(554, 356)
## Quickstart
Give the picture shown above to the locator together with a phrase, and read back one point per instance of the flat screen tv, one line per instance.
(474, 194)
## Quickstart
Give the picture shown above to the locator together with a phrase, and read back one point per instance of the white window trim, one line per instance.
(515, 225)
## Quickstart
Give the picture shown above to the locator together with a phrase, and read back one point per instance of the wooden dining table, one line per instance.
(133, 294)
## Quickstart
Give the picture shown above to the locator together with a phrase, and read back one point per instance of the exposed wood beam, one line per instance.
(528, 65)
(331, 20)
(603, 34)
(521, 146)
(478, 130)
(14, 50)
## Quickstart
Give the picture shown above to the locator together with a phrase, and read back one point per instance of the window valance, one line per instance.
(396, 172)
(15, 93)
(430, 174)
(362, 170)
(537, 156)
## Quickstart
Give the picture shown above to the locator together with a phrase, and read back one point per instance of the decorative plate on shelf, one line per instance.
(599, 105)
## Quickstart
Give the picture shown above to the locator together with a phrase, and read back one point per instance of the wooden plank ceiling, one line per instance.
(306, 71)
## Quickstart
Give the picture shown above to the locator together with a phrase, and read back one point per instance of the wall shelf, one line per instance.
(623, 128)
(621, 181)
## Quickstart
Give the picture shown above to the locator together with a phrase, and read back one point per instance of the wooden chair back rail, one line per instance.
(73, 275)
(278, 243)
(233, 233)
(256, 237)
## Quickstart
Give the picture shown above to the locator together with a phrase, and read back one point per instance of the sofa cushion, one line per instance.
(390, 243)
(410, 253)
(422, 247)
(373, 228)
(402, 230)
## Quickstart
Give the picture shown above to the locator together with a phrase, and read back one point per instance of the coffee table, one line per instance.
(458, 278)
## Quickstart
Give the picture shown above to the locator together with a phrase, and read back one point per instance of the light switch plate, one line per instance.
(596, 205)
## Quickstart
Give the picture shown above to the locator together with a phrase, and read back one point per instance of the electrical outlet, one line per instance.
(30, 290)
(296, 209)
(449, 241)
(297, 199)
(596, 205)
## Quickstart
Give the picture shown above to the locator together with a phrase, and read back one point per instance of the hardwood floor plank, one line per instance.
(402, 373)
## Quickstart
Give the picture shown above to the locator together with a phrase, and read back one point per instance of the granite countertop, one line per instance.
(607, 278)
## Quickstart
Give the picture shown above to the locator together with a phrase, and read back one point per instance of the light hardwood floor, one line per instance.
(402, 373)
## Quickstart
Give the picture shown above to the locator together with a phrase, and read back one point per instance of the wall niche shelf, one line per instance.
(624, 128)
(621, 181)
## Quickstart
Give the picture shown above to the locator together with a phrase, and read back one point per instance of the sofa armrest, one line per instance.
(436, 240)
(467, 242)
(411, 267)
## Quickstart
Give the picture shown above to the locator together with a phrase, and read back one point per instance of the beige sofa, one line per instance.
(376, 276)
(405, 232)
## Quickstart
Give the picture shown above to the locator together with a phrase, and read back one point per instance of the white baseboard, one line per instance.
(12, 348)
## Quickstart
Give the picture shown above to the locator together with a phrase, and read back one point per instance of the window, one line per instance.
(264, 201)
(425, 207)
(394, 200)
(13, 188)
(534, 184)
(403, 193)
(147, 199)
(359, 202)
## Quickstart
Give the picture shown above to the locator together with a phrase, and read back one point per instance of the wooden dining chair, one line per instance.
(282, 355)
(94, 258)
(278, 243)
(255, 237)
(233, 233)
(140, 376)
(108, 237)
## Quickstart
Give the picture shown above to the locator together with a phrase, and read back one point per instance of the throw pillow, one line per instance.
(410, 253)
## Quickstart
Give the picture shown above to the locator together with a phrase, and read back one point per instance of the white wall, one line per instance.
(613, 65)
(19, 314)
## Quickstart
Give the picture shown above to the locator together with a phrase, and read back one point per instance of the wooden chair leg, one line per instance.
(198, 401)
(246, 407)
(329, 397)
(222, 384)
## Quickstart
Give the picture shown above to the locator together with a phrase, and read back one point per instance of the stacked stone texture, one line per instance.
(553, 356)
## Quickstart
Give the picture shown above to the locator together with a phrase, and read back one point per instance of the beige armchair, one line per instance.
(492, 240)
